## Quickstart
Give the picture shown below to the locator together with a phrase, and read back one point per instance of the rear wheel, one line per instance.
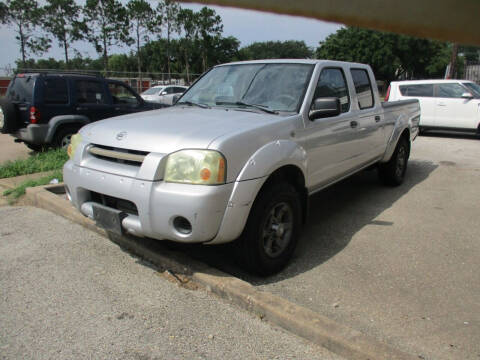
(272, 230)
(63, 136)
(8, 117)
(393, 172)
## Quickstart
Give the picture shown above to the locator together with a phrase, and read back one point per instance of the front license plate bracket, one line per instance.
(108, 218)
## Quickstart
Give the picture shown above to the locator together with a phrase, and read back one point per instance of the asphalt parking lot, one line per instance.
(68, 293)
(399, 264)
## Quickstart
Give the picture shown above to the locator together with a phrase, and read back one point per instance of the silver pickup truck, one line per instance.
(239, 154)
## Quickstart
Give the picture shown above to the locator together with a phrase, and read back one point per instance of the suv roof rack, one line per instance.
(94, 73)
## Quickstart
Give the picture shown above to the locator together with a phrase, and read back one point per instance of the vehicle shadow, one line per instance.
(336, 215)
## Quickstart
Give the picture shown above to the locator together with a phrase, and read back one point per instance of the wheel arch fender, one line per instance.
(402, 128)
(273, 156)
(284, 158)
(58, 121)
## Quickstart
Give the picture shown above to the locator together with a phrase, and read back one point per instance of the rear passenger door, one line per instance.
(370, 139)
(91, 99)
(453, 111)
(55, 98)
(424, 94)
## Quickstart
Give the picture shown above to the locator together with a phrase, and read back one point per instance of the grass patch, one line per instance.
(14, 194)
(45, 161)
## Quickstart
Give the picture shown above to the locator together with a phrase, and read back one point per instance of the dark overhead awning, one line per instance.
(449, 20)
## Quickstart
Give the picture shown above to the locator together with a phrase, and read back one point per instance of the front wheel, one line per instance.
(272, 230)
(393, 172)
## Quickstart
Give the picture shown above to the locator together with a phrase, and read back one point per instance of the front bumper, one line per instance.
(158, 203)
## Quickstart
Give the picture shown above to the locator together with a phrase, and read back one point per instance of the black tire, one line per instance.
(393, 172)
(36, 148)
(8, 117)
(63, 135)
(261, 250)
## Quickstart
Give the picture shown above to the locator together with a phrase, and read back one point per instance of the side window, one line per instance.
(451, 90)
(332, 83)
(363, 88)
(122, 95)
(90, 92)
(179, 90)
(170, 90)
(55, 91)
(420, 90)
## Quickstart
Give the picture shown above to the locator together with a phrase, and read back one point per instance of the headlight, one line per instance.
(200, 167)
(72, 147)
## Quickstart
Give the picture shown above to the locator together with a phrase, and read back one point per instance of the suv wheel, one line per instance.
(8, 117)
(272, 230)
(63, 136)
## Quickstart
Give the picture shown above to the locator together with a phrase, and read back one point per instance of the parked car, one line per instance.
(164, 94)
(46, 109)
(238, 156)
(445, 104)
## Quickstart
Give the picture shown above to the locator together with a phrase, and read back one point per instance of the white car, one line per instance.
(163, 94)
(452, 105)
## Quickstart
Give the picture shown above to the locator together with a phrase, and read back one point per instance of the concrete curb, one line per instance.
(13, 182)
(301, 321)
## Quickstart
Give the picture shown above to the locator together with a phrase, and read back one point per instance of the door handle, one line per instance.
(353, 124)
(442, 104)
(117, 109)
(377, 118)
(81, 108)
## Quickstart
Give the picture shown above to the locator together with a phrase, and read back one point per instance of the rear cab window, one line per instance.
(363, 88)
(418, 90)
(21, 88)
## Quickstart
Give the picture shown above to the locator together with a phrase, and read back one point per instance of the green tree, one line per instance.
(210, 28)
(168, 11)
(291, 49)
(142, 18)
(391, 56)
(25, 16)
(188, 20)
(108, 25)
(62, 20)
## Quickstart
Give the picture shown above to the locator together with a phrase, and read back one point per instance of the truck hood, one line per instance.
(172, 129)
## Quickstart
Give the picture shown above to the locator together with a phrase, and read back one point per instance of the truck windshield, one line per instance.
(276, 87)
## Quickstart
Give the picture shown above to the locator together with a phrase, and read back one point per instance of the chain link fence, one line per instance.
(139, 82)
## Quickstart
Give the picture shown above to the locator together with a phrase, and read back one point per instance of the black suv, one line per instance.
(46, 109)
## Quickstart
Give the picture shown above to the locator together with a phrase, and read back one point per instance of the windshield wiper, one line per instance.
(190, 103)
(263, 108)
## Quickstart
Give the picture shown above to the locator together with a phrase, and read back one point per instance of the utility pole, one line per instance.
(453, 62)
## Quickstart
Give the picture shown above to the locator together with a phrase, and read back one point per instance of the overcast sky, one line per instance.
(247, 26)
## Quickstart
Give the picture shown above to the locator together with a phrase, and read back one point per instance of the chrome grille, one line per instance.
(118, 155)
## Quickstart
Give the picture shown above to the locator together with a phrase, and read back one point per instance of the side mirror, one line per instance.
(325, 107)
(467, 95)
(163, 93)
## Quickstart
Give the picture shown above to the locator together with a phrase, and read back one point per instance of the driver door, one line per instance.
(332, 141)
(124, 100)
